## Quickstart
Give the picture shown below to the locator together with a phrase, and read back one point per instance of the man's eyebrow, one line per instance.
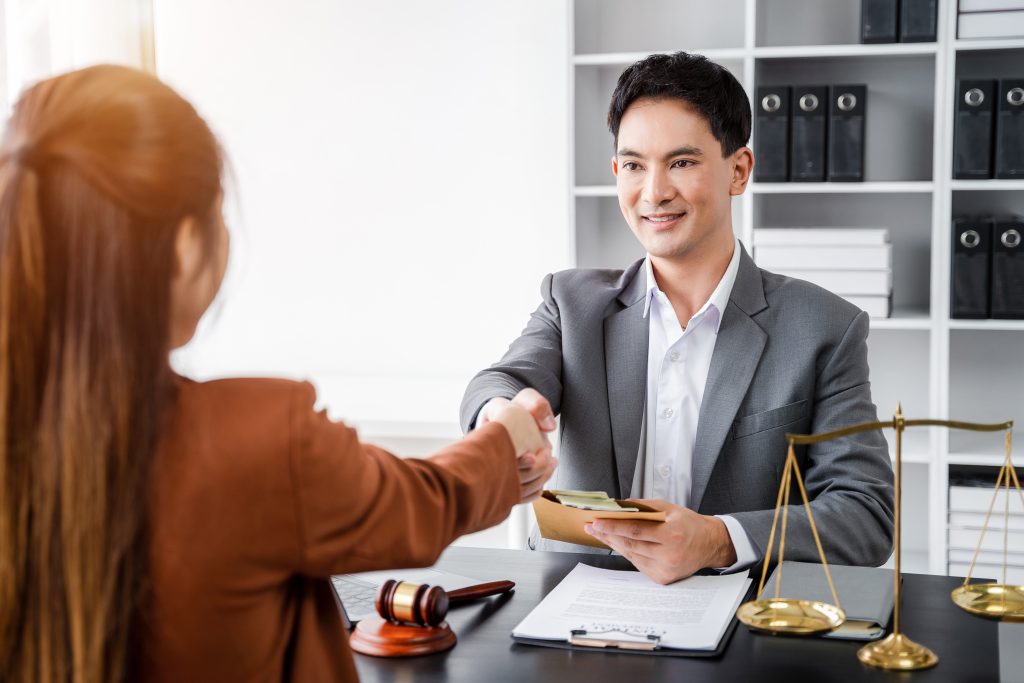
(686, 151)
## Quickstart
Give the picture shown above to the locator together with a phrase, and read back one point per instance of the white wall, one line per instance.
(41, 38)
(401, 171)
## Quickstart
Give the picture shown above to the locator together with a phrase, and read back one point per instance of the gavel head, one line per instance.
(412, 603)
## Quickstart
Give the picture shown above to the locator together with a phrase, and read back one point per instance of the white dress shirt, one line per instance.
(678, 360)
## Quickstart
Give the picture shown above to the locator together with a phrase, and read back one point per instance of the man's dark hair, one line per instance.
(707, 87)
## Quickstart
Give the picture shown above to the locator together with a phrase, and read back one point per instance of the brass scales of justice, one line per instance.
(785, 616)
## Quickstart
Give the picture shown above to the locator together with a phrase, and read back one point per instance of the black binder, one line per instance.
(878, 21)
(972, 136)
(1008, 268)
(772, 134)
(918, 21)
(846, 132)
(1010, 129)
(969, 291)
(809, 128)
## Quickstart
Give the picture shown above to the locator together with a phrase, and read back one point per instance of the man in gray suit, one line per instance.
(677, 378)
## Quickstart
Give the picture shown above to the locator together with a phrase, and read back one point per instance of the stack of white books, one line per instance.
(990, 19)
(968, 506)
(855, 263)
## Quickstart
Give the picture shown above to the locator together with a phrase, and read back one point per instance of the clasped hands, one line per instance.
(527, 417)
(685, 543)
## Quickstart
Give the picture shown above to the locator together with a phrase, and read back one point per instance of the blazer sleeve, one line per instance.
(533, 360)
(359, 508)
(849, 481)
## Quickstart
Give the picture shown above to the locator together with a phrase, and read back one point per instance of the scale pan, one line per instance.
(991, 600)
(786, 616)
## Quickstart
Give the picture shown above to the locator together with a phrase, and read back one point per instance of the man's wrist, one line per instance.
(722, 553)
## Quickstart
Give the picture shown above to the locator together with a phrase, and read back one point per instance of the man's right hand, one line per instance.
(533, 451)
(535, 465)
(531, 400)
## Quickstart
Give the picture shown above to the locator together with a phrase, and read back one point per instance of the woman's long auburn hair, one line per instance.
(98, 168)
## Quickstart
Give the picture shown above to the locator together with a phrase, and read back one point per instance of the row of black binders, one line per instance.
(988, 138)
(810, 133)
(987, 270)
(906, 21)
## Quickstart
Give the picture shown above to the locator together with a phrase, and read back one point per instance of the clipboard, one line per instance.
(559, 522)
(610, 644)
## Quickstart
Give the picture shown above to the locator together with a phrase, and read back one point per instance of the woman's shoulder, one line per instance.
(252, 414)
(246, 391)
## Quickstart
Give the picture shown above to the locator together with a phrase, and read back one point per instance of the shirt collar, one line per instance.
(719, 298)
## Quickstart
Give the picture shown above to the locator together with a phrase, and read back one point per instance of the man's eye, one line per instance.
(631, 166)
(682, 163)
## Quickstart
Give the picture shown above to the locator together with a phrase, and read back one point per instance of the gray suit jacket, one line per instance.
(790, 357)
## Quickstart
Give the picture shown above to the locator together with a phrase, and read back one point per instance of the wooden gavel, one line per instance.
(401, 602)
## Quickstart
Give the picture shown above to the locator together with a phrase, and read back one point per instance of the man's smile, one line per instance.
(662, 220)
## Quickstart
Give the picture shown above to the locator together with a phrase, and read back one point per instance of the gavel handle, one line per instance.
(481, 590)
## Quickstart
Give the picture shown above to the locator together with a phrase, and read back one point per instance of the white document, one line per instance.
(820, 236)
(874, 306)
(989, 5)
(843, 282)
(691, 614)
(990, 25)
(850, 257)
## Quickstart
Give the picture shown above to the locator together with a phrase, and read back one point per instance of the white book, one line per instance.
(820, 236)
(874, 306)
(987, 556)
(989, 5)
(968, 538)
(978, 498)
(976, 520)
(990, 25)
(843, 282)
(851, 257)
(1014, 575)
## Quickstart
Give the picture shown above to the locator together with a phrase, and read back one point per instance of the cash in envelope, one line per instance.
(591, 500)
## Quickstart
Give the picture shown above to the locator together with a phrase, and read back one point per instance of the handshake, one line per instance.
(527, 418)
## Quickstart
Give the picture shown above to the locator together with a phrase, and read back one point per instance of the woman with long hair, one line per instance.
(153, 527)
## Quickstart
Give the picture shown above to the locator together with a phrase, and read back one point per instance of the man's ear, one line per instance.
(742, 167)
(615, 167)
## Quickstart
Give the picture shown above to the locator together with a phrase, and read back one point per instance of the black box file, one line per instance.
(918, 21)
(972, 134)
(1010, 129)
(1008, 268)
(772, 134)
(807, 136)
(846, 132)
(878, 21)
(969, 277)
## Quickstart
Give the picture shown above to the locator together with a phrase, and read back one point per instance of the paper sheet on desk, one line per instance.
(690, 614)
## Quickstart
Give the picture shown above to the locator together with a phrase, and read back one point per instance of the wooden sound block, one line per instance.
(380, 638)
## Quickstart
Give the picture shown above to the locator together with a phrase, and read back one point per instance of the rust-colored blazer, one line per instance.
(258, 499)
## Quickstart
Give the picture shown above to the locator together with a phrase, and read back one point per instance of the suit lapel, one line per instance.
(737, 353)
(625, 337)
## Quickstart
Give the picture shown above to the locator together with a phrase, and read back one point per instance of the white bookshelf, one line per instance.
(987, 185)
(932, 365)
(877, 187)
(853, 50)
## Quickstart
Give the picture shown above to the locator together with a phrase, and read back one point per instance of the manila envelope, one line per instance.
(559, 522)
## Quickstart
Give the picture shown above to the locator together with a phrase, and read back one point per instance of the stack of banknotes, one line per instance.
(591, 500)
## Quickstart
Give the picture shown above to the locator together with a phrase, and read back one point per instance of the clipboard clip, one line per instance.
(583, 638)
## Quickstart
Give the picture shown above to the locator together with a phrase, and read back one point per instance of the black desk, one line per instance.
(967, 647)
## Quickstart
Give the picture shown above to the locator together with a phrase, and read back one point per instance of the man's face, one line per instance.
(674, 185)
